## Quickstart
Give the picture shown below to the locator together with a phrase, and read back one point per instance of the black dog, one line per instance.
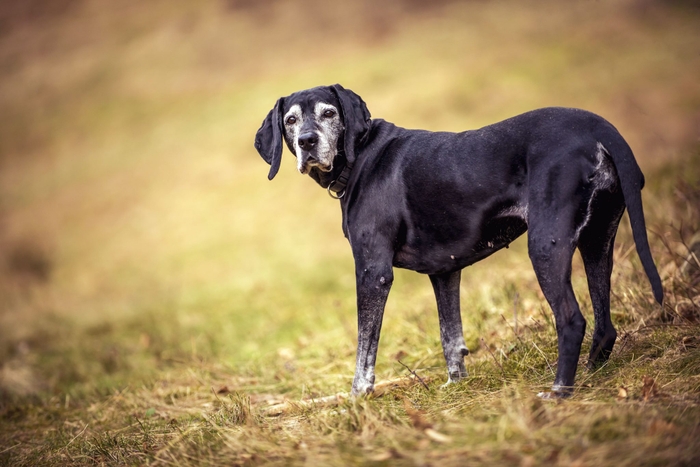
(438, 202)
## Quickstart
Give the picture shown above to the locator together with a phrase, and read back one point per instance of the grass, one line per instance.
(157, 295)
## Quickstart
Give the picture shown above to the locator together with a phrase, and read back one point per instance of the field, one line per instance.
(162, 303)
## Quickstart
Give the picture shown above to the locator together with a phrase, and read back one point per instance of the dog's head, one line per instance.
(318, 125)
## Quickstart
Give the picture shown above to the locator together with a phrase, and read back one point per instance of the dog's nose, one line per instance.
(308, 141)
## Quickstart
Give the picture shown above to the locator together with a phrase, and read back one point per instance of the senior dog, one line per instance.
(436, 202)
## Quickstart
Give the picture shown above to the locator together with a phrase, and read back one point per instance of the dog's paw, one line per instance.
(556, 394)
(364, 388)
(454, 377)
(449, 383)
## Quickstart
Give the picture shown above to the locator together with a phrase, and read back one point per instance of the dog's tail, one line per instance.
(632, 182)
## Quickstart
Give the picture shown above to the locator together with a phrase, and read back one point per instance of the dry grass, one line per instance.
(157, 296)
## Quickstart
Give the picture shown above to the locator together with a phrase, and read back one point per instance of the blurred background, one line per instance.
(138, 231)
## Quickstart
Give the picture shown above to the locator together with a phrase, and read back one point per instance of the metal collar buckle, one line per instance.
(335, 194)
(341, 182)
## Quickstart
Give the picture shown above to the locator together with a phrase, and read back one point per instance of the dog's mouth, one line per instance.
(311, 162)
(307, 168)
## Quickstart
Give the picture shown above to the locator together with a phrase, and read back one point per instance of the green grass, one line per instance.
(157, 294)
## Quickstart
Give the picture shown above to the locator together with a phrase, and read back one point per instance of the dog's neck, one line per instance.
(339, 176)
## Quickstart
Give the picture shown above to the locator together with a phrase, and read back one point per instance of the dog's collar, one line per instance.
(336, 189)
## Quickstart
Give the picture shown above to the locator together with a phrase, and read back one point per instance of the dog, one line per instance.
(436, 202)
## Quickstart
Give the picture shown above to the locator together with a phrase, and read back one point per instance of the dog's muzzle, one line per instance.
(308, 156)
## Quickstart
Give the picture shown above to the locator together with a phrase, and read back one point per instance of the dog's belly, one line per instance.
(459, 246)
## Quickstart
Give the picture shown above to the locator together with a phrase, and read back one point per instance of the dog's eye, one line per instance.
(329, 113)
(291, 120)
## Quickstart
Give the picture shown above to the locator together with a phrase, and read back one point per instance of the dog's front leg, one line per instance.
(446, 288)
(374, 281)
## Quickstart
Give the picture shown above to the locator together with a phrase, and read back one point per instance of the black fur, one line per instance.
(436, 202)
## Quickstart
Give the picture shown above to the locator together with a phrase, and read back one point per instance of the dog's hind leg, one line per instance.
(551, 254)
(556, 203)
(596, 244)
(446, 288)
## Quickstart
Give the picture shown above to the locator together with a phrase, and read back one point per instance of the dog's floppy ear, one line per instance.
(356, 118)
(268, 139)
